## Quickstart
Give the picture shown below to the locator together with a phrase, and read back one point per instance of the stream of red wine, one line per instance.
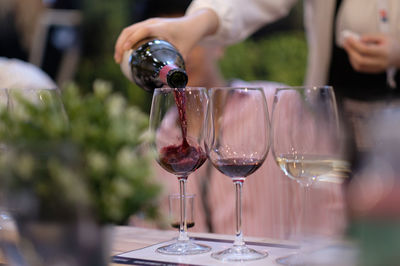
(184, 158)
(180, 101)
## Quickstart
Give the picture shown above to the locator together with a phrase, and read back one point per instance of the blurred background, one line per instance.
(74, 40)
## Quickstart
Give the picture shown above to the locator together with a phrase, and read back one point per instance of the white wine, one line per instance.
(306, 169)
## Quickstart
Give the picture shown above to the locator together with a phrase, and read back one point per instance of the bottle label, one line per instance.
(164, 72)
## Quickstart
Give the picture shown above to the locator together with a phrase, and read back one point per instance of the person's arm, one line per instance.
(183, 32)
(238, 19)
(227, 21)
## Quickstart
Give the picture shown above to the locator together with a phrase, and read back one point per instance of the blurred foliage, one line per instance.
(279, 57)
(83, 155)
(103, 22)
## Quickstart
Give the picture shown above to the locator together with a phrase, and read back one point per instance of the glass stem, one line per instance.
(304, 225)
(239, 235)
(183, 236)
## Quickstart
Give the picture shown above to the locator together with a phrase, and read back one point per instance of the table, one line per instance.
(127, 238)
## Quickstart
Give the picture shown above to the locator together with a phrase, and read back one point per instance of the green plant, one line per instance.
(279, 57)
(103, 22)
(85, 155)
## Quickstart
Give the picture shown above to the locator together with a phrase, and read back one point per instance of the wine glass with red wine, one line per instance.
(237, 144)
(177, 123)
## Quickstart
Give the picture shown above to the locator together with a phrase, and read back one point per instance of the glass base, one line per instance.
(183, 248)
(336, 254)
(239, 253)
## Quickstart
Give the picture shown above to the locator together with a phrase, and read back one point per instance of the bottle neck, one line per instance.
(173, 76)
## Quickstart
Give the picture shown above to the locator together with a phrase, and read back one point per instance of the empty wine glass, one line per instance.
(177, 123)
(308, 143)
(237, 145)
(10, 101)
(7, 223)
(50, 98)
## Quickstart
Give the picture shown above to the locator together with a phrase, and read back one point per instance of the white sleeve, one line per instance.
(240, 18)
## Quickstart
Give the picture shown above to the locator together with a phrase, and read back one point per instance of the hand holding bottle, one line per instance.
(183, 32)
(153, 64)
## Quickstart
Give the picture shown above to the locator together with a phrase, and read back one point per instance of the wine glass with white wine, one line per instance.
(308, 145)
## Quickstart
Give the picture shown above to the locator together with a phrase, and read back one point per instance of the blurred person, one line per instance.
(374, 193)
(271, 202)
(63, 36)
(18, 74)
(229, 22)
(33, 31)
(357, 55)
(18, 19)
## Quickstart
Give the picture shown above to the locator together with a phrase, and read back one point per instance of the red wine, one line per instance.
(182, 159)
(180, 101)
(237, 167)
(177, 224)
(154, 64)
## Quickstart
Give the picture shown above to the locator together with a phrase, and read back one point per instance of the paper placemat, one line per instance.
(149, 256)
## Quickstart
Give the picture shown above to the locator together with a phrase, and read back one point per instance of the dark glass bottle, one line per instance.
(154, 64)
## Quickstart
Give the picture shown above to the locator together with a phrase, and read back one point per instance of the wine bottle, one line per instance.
(153, 64)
